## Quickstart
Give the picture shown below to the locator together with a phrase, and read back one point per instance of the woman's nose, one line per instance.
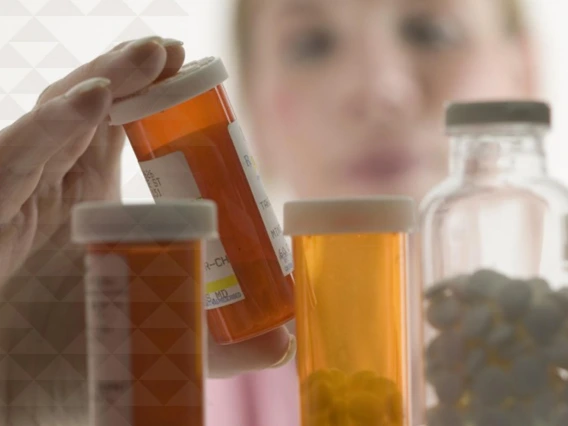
(386, 84)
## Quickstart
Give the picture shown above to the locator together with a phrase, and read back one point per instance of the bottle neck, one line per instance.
(476, 155)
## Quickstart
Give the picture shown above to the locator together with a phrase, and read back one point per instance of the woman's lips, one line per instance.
(382, 167)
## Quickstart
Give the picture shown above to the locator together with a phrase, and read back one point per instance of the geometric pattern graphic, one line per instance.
(151, 348)
(43, 40)
(140, 325)
(43, 363)
(143, 311)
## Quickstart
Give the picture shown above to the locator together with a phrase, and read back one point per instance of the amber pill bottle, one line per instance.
(352, 303)
(189, 144)
(145, 322)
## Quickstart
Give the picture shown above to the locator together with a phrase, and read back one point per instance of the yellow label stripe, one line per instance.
(222, 284)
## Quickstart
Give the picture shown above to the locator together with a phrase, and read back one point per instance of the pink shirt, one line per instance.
(259, 399)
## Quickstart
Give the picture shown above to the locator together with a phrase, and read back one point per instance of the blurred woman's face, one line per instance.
(348, 95)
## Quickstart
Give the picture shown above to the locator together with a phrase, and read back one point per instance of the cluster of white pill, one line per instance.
(333, 398)
(500, 353)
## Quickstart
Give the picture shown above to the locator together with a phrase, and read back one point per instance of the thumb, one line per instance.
(271, 350)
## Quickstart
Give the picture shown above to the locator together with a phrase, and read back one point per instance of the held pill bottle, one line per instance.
(144, 304)
(189, 145)
(351, 261)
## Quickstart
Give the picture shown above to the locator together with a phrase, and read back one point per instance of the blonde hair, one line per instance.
(245, 11)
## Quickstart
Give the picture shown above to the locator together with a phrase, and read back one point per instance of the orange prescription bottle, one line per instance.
(189, 145)
(351, 309)
(144, 304)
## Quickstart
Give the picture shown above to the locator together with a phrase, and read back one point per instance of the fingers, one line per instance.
(130, 67)
(35, 137)
(176, 58)
(27, 145)
(270, 350)
(166, 42)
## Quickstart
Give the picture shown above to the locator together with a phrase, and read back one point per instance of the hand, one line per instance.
(64, 152)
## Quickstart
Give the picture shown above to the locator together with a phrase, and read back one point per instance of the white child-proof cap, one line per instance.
(102, 222)
(382, 214)
(192, 80)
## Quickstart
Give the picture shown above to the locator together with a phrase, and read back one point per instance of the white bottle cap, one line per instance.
(108, 222)
(383, 214)
(192, 80)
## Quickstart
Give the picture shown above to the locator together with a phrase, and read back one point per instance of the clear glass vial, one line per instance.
(495, 320)
(351, 309)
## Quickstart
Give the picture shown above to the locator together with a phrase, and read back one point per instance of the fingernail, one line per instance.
(143, 41)
(289, 355)
(87, 86)
(167, 42)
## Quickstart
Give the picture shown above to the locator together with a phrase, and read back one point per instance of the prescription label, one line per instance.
(170, 177)
(279, 243)
(108, 340)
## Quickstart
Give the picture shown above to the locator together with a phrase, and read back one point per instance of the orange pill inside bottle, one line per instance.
(189, 144)
(145, 322)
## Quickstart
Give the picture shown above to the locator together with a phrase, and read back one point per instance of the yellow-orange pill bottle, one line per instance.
(189, 145)
(351, 258)
(144, 305)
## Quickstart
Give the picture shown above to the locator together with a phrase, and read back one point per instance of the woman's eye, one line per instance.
(429, 34)
(312, 45)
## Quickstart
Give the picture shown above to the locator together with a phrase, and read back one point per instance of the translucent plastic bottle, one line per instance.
(145, 319)
(496, 330)
(189, 145)
(351, 309)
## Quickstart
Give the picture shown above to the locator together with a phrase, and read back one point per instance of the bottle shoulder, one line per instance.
(455, 193)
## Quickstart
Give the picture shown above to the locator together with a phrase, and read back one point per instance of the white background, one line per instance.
(42, 40)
